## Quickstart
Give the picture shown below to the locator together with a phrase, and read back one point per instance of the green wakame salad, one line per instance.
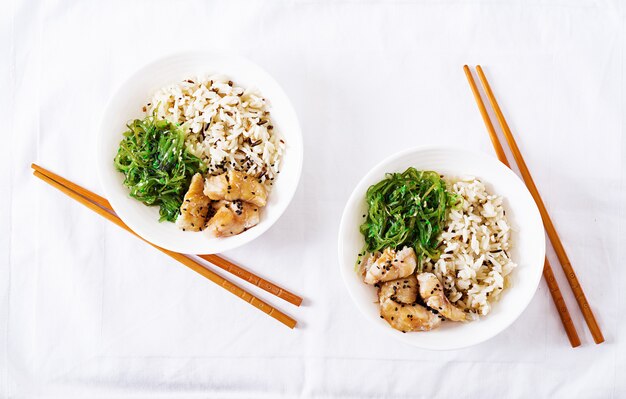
(407, 209)
(156, 165)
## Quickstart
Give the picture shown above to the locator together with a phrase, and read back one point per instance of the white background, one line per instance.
(86, 310)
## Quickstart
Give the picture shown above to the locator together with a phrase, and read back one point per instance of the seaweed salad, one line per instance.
(407, 209)
(156, 165)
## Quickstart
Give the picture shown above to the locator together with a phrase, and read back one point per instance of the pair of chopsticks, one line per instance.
(566, 265)
(102, 207)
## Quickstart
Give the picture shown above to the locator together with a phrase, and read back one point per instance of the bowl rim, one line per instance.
(345, 273)
(296, 149)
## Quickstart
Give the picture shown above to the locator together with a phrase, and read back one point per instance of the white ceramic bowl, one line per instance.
(125, 105)
(527, 238)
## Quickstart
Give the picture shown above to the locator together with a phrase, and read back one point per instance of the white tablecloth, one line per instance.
(88, 311)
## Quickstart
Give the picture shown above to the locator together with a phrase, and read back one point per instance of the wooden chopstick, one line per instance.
(548, 274)
(577, 289)
(190, 263)
(253, 279)
(213, 259)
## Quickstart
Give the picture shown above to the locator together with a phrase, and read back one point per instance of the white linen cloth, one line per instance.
(88, 311)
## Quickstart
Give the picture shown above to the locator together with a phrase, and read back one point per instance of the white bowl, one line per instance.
(125, 105)
(527, 238)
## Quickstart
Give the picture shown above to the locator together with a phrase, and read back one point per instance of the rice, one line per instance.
(474, 266)
(227, 126)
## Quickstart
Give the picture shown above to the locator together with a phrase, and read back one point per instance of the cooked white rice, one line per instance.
(227, 126)
(474, 266)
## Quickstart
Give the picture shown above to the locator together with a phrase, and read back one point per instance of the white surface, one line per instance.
(527, 238)
(125, 105)
(86, 310)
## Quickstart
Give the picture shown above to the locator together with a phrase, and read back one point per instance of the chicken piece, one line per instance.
(194, 211)
(391, 265)
(431, 291)
(402, 290)
(232, 218)
(234, 185)
(408, 317)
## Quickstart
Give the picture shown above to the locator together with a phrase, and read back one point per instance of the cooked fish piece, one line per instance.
(391, 265)
(234, 185)
(196, 206)
(232, 218)
(408, 317)
(431, 291)
(403, 290)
